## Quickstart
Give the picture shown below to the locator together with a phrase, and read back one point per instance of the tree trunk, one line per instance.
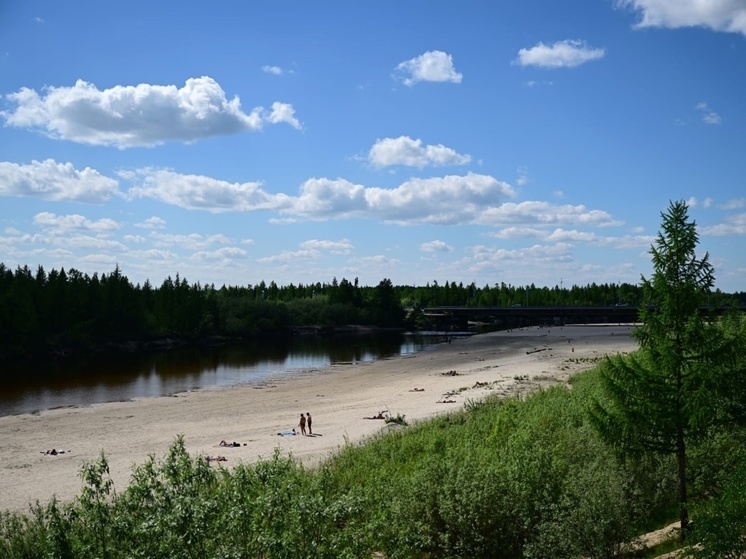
(681, 455)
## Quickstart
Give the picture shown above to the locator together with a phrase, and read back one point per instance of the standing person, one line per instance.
(302, 424)
(308, 422)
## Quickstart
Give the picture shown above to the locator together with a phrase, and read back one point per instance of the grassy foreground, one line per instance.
(502, 479)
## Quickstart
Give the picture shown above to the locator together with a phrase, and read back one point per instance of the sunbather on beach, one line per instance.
(288, 433)
(224, 443)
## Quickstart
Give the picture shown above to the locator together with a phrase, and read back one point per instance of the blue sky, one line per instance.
(420, 141)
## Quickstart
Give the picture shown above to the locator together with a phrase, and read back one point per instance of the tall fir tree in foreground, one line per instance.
(667, 393)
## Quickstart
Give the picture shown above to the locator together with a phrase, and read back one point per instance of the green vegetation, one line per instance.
(668, 394)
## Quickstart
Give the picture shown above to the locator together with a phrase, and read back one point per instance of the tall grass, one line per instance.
(502, 479)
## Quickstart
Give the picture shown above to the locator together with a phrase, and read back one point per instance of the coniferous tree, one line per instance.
(661, 397)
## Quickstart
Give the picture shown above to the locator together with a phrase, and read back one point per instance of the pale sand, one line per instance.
(338, 399)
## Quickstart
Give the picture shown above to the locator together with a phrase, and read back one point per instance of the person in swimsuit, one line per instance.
(302, 424)
(308, 422)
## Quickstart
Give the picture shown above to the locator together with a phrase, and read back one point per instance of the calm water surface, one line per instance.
(130, 377)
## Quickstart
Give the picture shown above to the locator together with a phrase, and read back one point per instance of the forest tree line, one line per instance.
(44, 313)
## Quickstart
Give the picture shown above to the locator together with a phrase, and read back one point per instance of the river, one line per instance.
(128, 377)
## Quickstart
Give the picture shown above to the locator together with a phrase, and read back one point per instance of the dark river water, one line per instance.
(128, 377)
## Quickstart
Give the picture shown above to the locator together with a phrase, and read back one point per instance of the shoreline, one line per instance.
(338, 397)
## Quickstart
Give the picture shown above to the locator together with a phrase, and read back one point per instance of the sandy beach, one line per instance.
(445, 376)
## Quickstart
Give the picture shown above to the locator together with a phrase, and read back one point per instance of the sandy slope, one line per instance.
(338, 398)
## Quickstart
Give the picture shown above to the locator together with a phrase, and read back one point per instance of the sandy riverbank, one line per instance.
(338, 398)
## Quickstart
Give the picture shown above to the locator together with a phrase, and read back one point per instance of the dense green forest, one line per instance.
(48, 313)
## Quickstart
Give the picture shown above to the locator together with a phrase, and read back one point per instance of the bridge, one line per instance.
(461, 318)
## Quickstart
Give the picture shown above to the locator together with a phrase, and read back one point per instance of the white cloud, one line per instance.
(735, 204)
(443, 200)
(54, 181)
(436, 246)
(289, 256)
(519, 233)
(284, 112)
(522, 179)
(378, 261)
(484, 258)
(335, 247)
(544, 213)
(193, 241)
(73, 222)
(718, 15)
(433, 66)
(154, 222)
(407, 151)
(141, 115)
(137, 239)
(562, 54)
(197, 192)
(276, 70)
(709, 116)
(561, 235)
(220, 255)
(734, 225)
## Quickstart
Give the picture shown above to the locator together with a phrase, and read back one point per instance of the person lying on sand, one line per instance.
(417, 390)
(52, 452)
(288, 433)
(215, 458)
(379, 416)
(224, 443)
(446, 402)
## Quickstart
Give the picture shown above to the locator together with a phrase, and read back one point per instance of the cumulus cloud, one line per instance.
(73, 222)
(519, 233)
(224, 254)
(276, 70)
(141, 115)
(562, 54)
(436, 246)
(54, 181)
(198, 192)
(283, 112)
(544, 213)
(433, 66)
(560, 235)
(443, 200)
(407, 151)
(485, 258)
(718, 15)
(154, 222)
